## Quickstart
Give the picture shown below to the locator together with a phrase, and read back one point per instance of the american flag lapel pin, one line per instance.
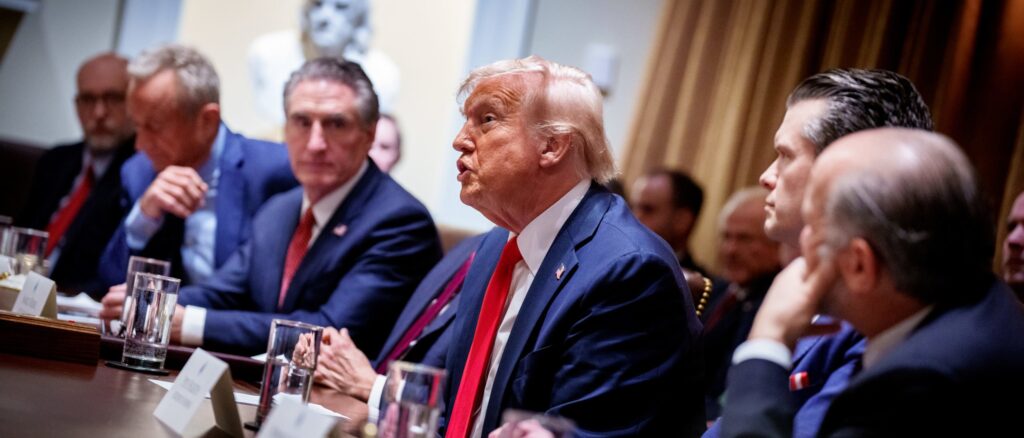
(340, 230)
(559, 272)
(799, 381)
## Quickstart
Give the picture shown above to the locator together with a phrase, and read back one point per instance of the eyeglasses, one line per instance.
(109, 99)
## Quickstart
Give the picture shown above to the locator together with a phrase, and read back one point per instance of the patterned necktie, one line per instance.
(296, 250)
(62, 220)
(428, 315)
(472, 383)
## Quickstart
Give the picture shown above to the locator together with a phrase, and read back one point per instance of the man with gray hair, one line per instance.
(344, 250)
(899, 243)
(191, 193)
(572, 308)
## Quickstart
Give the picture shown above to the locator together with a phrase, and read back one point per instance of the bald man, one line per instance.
(75, 193)
(898, 243)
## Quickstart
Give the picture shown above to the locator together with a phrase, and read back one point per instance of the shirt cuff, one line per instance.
(139, 228)
(192, 325)
(765, 349)
(374, 402)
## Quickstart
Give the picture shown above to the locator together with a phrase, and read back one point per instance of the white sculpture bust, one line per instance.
(329, 28)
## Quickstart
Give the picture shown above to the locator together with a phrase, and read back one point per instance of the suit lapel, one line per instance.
(556, 271)
(230, 209)
(336, 237)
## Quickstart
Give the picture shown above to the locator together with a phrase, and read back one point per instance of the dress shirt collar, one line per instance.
(99, 163)
(885, 341)
(210, 169)
(324, 208)
(539, 234)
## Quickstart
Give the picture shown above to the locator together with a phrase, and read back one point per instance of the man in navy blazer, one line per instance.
(586, 316)
(820, 110)
(191, 194)
(76, 191)
(898, 242)
(346, 249)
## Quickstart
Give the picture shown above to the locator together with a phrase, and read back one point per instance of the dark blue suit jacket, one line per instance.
(955, 375)
(432, 344)
(611, 343)
(358, 274)
(251, 171)
(829, 362)
(96, 221)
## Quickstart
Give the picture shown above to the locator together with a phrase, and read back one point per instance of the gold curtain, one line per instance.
(720, 72)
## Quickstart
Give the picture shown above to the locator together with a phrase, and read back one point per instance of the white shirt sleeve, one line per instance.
(193, 322)
(771, 351)
(139, 228)
(376, 392)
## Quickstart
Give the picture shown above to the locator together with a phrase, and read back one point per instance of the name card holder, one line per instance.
(203, 373)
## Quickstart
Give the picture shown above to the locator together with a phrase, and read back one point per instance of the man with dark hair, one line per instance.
(76, 191)
(822, 108)
(191, 194)
(1013, 248)
(897, 241)
(669, 202)
(345, 249)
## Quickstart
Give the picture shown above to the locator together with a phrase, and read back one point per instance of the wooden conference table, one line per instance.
(43, 397)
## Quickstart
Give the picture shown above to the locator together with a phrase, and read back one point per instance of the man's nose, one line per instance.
(769, 176)
(316, 138)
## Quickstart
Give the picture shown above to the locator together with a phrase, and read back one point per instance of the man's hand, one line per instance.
(176, 190)
(792, 302)
(523, 429)
(113, 303)
(176, 321)
(342, 366)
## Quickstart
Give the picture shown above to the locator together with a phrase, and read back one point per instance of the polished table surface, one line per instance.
(41, 397)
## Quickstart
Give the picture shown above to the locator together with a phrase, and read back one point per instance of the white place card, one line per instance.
(34, 295)
(6, 265)
(292, 419)
(202, 374)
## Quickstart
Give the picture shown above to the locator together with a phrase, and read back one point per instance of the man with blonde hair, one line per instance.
(575, 309)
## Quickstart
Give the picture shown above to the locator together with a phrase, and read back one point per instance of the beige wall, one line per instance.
(427, 40)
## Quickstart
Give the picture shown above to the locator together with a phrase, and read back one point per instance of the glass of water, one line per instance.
(148, 326)
(291, 360)
(28, 249)
(412, 401)
(136, 264)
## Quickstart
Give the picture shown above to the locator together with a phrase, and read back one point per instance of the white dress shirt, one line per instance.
(534, 242)
(193, 322)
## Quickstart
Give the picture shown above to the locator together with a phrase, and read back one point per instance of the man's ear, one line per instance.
(555, 150)
(859, 266)
(209, 118)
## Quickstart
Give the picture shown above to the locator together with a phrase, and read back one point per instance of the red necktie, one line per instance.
(472, 383)
(62, 220)
(296, 250)
(427, 316)
(724, 308)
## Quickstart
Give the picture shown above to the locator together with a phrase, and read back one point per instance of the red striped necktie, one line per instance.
(296, 251)
(63, 219)
(472, 383)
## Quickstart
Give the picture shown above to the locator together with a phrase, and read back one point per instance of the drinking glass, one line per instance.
(412, 395)
(148, 327)
(28, 249)
(517, 423)
(292, 351)
(136, 264)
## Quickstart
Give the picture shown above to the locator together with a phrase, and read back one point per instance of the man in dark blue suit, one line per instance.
(574, 308)
(823, 108)
(421, 334)
(191, 194)
(898, 242)
(76, 192)
(346, 249)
